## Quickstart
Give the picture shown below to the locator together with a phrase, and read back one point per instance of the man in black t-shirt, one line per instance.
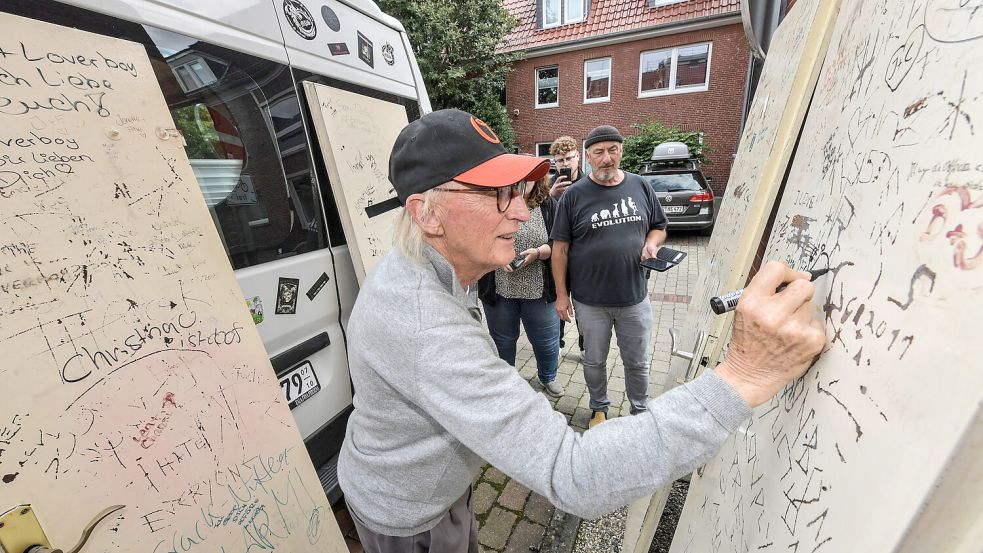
(605, 224)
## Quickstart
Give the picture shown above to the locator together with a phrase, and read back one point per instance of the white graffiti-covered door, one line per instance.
(132, 373)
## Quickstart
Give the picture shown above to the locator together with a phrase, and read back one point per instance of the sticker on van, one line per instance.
(330, 18)
(389, 53)
(255, 305)
(338, 48)
(365, 50)
(316, 289)
(286, 296)
(300, 19)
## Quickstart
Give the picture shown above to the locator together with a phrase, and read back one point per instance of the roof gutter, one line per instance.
(698, 24)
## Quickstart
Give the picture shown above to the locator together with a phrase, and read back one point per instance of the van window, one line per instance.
(241, 120)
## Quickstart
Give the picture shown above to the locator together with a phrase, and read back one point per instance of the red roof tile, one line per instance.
(605, 17)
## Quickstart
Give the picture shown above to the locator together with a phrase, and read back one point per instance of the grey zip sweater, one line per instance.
(432, 400)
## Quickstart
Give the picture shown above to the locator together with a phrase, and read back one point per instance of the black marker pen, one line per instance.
(728, 302)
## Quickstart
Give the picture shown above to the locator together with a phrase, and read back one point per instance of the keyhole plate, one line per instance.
(20, 529)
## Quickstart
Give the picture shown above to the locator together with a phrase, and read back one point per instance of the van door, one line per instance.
(241, 120)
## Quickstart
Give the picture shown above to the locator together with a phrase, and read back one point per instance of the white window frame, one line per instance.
(547, 155)
(660, 3)
(563, 20)
(559, 19)
(583, 11)
(606, 98)
(674, 56)
(536, 87)
(194, 73)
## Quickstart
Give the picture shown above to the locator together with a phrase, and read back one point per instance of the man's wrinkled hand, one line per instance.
(776, 335)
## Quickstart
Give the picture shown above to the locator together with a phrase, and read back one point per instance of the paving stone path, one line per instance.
(513, 519)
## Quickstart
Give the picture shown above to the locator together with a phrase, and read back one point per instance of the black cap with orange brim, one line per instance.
(452, 145)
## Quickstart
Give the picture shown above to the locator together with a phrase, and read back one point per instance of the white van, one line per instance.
(232, 73)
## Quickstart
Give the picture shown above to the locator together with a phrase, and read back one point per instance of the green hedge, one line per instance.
(647, 135)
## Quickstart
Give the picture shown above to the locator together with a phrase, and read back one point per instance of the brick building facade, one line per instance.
(702, 89)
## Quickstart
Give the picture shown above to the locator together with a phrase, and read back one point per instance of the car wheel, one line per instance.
(706, 231)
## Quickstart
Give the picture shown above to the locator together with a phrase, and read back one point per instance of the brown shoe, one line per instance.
(597, 417)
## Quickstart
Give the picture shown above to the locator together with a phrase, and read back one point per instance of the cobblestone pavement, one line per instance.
(510, 517)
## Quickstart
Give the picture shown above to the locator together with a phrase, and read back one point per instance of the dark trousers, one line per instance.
(580, 337)
(457, 532)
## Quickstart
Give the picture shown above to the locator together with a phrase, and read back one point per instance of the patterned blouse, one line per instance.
(527, 282)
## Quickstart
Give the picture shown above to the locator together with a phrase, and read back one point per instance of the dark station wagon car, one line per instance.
(680, 186)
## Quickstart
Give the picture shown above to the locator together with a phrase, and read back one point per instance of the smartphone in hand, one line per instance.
(560, 183)
(665, 259)
(518, 262)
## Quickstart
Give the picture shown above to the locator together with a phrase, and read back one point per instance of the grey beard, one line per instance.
(607, 174)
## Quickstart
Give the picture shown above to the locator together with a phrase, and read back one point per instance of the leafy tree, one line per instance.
(195, 123)
(638, 147)
(454, 42)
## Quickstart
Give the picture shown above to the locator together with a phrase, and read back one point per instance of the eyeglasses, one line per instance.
(504, 195)
(567, 159)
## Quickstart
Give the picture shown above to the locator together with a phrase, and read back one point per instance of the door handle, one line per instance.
(673, 340)
(694, 357)
(287, 360)
(21, 532)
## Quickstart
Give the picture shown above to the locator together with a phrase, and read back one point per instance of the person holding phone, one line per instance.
(524, 291)
(605, 224)
(566, 157)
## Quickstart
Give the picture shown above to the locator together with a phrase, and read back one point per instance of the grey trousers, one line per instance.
(457, 532)
(633, 328)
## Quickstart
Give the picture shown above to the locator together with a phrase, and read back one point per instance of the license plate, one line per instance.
(299, 384)
(674, 209)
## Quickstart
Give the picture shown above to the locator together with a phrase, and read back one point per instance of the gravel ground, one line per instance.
(670, 516)
(603, 534)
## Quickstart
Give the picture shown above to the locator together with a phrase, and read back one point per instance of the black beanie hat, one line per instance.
(603, 133)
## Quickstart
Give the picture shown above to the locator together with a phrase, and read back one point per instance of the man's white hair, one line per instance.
(408, 237)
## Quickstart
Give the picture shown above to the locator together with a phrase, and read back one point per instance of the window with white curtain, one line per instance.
(562, 12)
(597, 80)
(657, 3)
(674, 70)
